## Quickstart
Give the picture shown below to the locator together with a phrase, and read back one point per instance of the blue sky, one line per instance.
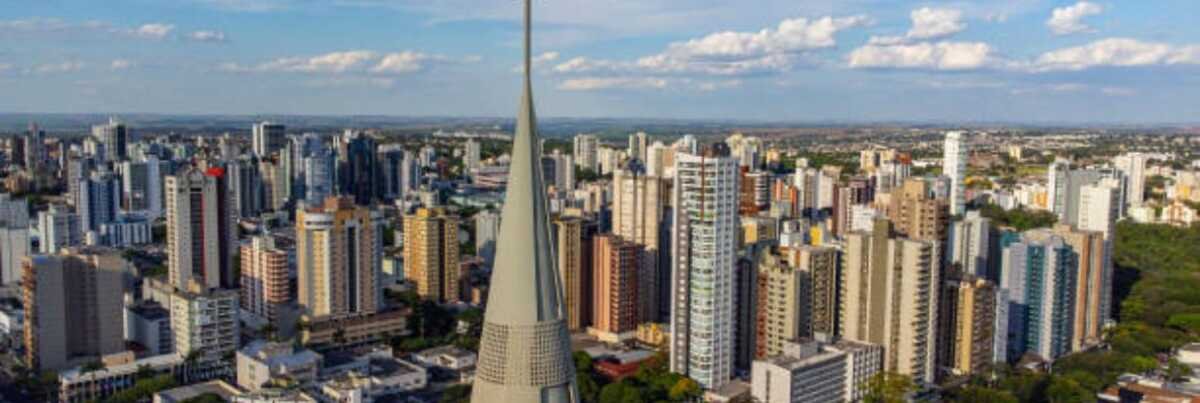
(1095, 61)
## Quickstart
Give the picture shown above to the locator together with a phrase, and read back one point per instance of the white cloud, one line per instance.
(403, 62)
(350, 81)
(925, 55)
(347, 62)
(154, 31)
(53, 68)
(931, 23)
(603, 83)
(207, 36)
(538, 61)
(1116, 52)
(927, 23)
(730, 52)
(1069, 20)
(121, 64)
(645, 83)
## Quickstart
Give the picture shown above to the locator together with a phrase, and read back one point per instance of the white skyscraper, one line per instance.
(267, 138)
(637, 145)
(968, 244)
(704, 254)
(59, 228)
(586, 151)
(1134, 167)
(471, 152)
(954, 166)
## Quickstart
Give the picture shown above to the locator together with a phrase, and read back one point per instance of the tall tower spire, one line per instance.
(525, 351)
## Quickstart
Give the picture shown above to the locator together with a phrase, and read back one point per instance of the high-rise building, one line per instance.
(1134, 167)
(14, 237)
(1093, 285)
(637, 215)
(1099, 207)
(968, 242)
(320, 176)
(246, 196)
(638, 143)
(35, 155)
(265, 282)
(114, 136)
(59, 228)
(572, 236)
(78, 171)
(471, 155)
(916, 213)
(431, 254)
(99, 200)
(968, 315)
(954, 166)
(487, 228)
(1037, 277)
(339, 258)
(200, 230)
(782, 317)
(205, 322)
(615, 284)
(73, 307)
(267, 138)
(704, 254)
(525, 349)
(586, 152)
(358, 167)
(889, 297)
(818, 267)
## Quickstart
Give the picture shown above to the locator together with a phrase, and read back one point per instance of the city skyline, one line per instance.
(966, 61)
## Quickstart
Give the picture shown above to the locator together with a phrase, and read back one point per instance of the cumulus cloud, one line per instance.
(207, 36)
(1069, 20)
(538, 61)
(932, 23)
(602, 83)
(121, 64)
(353, 61)
(645, 83)
(154, 31)
(731, 52)
(1116, 52)
(927, 23)
(925, 55)
(403, 62)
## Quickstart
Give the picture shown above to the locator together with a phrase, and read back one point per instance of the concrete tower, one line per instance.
(525, 351)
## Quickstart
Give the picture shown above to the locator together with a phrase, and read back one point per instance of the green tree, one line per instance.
(685, 390)
(583, 362)
(979, 394)
(589, 390)
(620, 392)
(889, 387)
(1064, 390)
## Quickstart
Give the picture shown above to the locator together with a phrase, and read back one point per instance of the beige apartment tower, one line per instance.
(338, 259)
(889, 297)
(265, 280)
(431, 254)
(1092, 287)
(917, 215)
(638, 202)
(575, 266)
(74, 307)
(968, 342)
(781, 317)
